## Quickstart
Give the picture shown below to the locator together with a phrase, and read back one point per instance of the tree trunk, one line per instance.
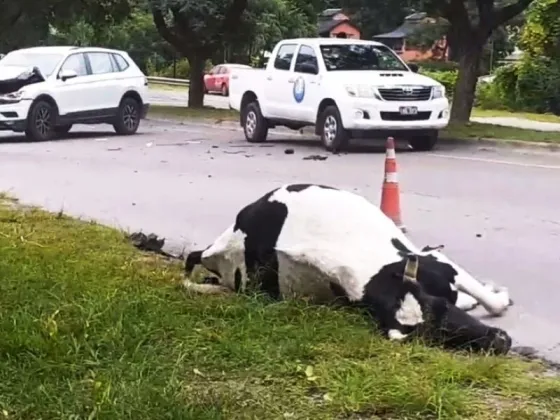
(196, 86)
(463, 98)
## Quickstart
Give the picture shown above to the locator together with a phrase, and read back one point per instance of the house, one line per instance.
(332, 23)
(397, 39)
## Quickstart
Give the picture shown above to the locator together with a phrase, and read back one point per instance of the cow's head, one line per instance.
(225, 259)
(445, 324)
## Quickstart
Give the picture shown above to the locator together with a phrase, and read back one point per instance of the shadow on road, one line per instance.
(75, 135)
(357, 146)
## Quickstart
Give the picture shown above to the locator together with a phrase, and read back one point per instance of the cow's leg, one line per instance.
(465, 302)
(193, 259)
(205, 288)
(495, 302)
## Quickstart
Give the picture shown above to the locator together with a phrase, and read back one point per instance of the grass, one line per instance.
(550, 118)
(176, 112)
(468, 131)
(92, 328)
(473, 130)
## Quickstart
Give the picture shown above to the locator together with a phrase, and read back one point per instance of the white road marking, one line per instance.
(497, 161)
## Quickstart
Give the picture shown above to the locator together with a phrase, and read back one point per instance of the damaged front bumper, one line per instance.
(13, 116)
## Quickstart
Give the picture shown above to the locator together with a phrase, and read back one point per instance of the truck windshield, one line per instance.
(347, 57)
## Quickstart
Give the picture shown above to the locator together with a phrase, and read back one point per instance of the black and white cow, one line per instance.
(328, 245)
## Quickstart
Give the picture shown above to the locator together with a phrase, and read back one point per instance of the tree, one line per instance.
(471, 34)
(197, 29)
(27, 23)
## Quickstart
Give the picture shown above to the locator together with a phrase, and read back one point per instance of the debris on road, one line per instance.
(289, 151)
(315, 157)
(234, 153)
(115, 149)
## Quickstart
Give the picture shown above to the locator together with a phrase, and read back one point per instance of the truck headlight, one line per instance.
(362, 91)
(438, 92)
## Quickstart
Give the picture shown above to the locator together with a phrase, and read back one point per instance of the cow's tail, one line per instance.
(193, 259)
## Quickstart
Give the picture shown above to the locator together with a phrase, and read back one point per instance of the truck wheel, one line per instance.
(423, 143)
(225, 91)
(333, 135)
(254, 124)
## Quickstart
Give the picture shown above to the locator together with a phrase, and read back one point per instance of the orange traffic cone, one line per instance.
(390, 194)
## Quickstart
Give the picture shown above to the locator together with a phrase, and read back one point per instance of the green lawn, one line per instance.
(551, 118)
(92, 328)
(456, 131)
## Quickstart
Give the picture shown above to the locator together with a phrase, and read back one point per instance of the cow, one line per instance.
(328, 245)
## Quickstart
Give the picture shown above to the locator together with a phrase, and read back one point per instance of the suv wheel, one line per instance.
(423, 143)
(333, 135)
(40, 122)
(254, 124)
(128, 117)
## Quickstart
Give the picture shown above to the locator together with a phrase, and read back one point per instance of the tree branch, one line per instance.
(233, 16)
(163, 29)
(506, 13)
(456, 13)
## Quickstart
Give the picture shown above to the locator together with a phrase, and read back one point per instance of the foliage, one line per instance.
(446, 78)
(534, 84)
(136, 34)
(541, 34)
(92, 328)
(436, 65)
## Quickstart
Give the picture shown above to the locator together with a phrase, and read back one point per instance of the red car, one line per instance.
(217, 80)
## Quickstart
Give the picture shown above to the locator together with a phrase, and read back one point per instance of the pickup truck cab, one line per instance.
(344, 88)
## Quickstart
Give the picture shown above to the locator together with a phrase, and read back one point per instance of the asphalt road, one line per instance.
(495, 210)
(180, 97)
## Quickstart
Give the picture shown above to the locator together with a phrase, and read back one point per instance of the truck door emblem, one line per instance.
(299, 89)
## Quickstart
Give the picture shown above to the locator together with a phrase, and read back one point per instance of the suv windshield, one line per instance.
(360, 57)
(45, 62)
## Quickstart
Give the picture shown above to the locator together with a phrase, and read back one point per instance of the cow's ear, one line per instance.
(193, 259)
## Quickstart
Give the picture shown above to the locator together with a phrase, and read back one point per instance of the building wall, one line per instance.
(349, 30)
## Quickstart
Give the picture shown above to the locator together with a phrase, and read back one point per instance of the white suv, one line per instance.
(45, 90)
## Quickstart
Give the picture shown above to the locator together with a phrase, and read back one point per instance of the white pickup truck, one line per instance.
(343, 87)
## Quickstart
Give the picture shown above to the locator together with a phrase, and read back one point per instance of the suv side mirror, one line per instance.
(413, 67)
(66, 74)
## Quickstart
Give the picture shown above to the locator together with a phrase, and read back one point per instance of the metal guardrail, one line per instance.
(169, 81)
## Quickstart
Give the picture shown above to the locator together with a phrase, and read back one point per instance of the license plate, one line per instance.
(408, 110)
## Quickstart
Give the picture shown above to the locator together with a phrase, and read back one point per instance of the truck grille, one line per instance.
(396, 116)
(422, 93)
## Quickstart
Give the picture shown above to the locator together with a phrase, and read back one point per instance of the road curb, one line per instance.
(483, 142)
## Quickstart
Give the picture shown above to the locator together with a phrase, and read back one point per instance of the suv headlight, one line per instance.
(13, 96)
(438, 92)
(362, 91)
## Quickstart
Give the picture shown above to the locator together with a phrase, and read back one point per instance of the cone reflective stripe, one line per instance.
(390, 194)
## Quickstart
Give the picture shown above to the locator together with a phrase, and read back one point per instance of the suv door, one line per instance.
(109, 91)
(278, 87)
(306, 89)
(72, 96)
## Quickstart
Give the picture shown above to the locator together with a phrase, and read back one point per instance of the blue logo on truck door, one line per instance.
(299, 89)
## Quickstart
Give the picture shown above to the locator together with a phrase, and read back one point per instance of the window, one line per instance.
(349, 57)
(223, 70)
(216, 70)
(77, 63)
(122, 64)
(100, 63)
(284, 57)
(306, 55)
(46, 62)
